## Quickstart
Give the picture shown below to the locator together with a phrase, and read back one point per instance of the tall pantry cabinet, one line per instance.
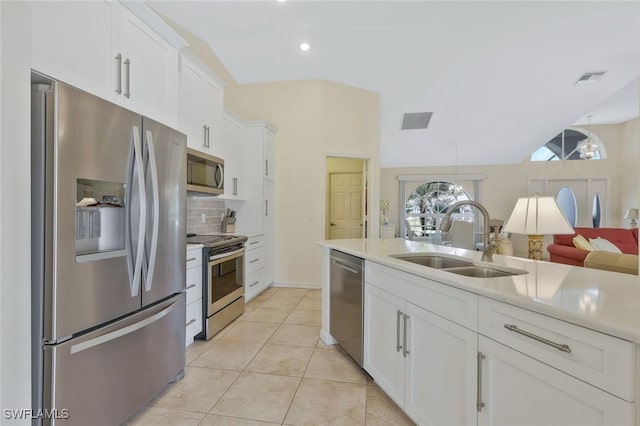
(256, 214)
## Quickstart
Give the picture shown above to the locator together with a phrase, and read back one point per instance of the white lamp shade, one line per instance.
(631, 214)
(537, 216)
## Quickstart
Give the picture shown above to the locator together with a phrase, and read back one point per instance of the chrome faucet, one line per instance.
(490, 244)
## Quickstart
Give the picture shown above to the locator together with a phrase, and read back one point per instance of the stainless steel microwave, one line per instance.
(205, 173)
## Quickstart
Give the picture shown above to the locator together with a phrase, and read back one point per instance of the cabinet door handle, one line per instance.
(254, 242)
(254, 284)
(405, 350)
(191, 286)
(208, 137)
(399, 315)
(479, 404)
(235, 186)
(191, 258)
(204, 138)
(254, 260)
(119, 65)
(127, 90)
(266, 207)
(190, 322)
(558, 346)
(266, 167)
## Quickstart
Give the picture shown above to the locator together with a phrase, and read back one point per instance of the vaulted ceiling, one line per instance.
(499, 77)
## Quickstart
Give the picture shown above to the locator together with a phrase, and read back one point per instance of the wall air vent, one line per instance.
(416, 120)
(590, 77)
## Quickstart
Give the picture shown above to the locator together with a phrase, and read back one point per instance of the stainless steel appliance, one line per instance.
(223, 275)
(346, 303)
(205, 173)
(108, 317)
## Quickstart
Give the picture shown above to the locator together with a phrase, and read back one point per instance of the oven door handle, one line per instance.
(228, 254)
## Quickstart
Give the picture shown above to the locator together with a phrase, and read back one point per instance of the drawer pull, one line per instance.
(253, 242)
(254, 260)
(558, 346)
(190, 322)
(191, 258)
(254, 284)
(191, 286)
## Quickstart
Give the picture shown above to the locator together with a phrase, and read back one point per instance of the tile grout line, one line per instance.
(299, 384)
(238, 376)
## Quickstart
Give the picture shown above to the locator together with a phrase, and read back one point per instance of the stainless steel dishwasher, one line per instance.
(347, 295)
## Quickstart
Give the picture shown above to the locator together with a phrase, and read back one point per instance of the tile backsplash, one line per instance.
(211, 207)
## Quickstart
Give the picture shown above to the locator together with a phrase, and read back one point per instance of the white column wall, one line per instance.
(15, 216)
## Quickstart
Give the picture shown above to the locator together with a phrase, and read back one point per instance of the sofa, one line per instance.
(563, 251)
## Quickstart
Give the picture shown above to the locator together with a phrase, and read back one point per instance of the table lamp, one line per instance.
(633, 215)
(537, 216)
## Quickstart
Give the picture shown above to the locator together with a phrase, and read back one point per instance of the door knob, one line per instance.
(333, 224)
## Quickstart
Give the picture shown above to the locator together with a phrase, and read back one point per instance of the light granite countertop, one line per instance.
(604, 301)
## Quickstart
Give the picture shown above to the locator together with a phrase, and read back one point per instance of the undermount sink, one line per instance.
(480, 272)
(456, 266)
(437, 262)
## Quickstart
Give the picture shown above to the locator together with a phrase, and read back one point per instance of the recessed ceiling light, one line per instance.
(304, 46)
(281, 1)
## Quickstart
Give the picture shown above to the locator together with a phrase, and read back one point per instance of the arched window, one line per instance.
(565, 147)
(596, 211)
(568, 205)
(427, 205)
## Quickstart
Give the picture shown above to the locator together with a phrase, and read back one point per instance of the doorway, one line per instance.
(346, 211)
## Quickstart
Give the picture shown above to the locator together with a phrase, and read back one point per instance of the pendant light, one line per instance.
(587, 147)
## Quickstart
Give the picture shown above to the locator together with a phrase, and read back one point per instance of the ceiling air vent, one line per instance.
(590, 77)
(416, 120)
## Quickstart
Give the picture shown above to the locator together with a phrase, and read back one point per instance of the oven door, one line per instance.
(225, 282)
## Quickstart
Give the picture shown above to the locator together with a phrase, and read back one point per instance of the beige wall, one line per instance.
(202, 50)
(629, 160)
(503, 184)
(315, 119)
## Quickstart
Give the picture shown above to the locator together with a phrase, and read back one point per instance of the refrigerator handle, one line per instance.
(156, 210)
(136, 166)
(79, 347)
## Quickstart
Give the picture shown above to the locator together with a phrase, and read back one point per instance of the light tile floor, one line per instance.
(269, 367)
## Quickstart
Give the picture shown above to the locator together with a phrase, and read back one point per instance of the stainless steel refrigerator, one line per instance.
(108, 280)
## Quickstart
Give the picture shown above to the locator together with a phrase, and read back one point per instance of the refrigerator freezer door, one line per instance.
(165, 177)
(91, 140)
(105, 376)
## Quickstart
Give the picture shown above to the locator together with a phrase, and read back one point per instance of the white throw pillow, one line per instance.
(604, 245)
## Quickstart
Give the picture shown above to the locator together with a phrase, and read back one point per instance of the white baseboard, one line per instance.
(327, 338)
(310, 286)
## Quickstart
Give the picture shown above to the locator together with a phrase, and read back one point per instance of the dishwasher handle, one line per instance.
(351, 267)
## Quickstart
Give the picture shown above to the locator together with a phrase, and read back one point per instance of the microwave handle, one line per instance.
(220, 170)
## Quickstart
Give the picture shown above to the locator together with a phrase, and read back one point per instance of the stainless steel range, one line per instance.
(223, 278)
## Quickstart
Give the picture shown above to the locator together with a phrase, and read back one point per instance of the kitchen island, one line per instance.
(554, 344)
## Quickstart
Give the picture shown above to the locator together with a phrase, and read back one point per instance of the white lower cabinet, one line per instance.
(519, 390)
(461, 359)
(254, 268)
(425, 363)
(193, 320)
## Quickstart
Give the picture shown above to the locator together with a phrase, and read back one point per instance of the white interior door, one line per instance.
(345, 209)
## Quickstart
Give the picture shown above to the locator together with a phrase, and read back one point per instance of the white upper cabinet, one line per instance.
(73, 42)
(269, 156)
(149, 70)
(235, 148)
(201, 107)
(103, 48)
